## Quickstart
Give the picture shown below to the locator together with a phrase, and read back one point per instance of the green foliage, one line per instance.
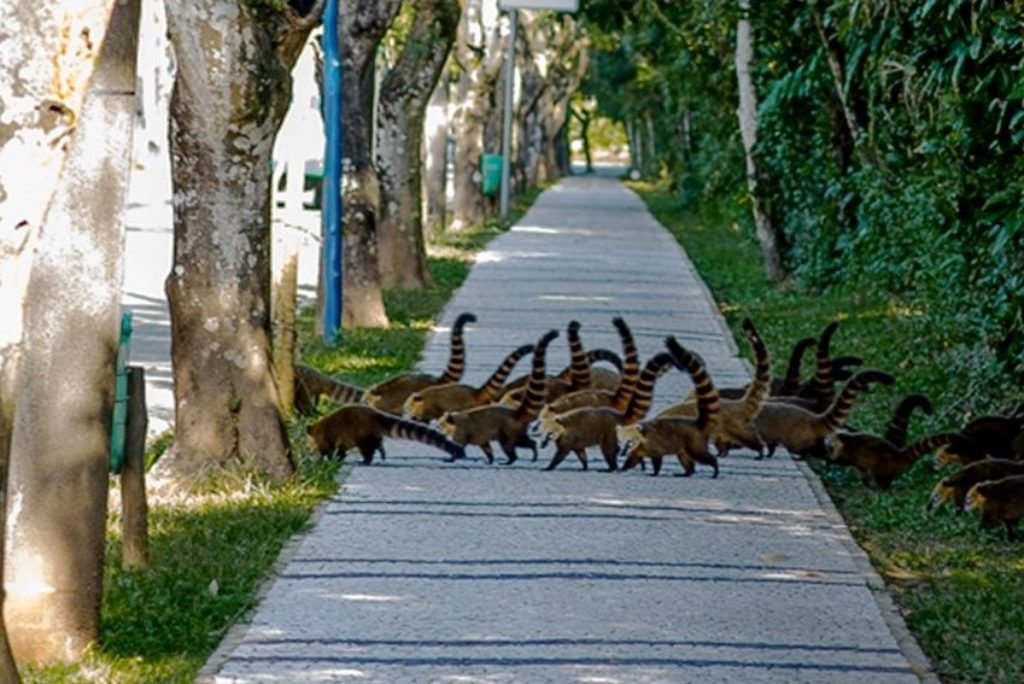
(961, 588)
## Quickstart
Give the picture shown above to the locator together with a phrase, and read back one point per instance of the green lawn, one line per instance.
(960, 589)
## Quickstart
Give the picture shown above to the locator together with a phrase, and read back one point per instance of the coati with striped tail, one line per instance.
(953, 489)
(579, 366)
(389, 395)
(735, 425)
(560, 385)
(780, 387)
(897, 432)
(580, 428)
(803, 432)
(495, 423)
(311, 384)
(995, 434)
(879, 460)
(998, 501)
(620, 398)
(433, 402)
(364, 428)
(687, 438)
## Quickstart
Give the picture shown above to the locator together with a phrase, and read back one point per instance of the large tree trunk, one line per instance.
(70, 321)
(748, 120)
(479, 50)
(360, 29)
(230, 96)
(401, 109)
(435, 160)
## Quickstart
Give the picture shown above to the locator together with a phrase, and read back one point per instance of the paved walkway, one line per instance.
(421, 571)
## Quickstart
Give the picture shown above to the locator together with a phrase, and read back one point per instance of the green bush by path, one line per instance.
(960, 588)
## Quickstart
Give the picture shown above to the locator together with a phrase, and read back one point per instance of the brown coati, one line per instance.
(953, 489)
(897, 431)
(364, 428)
(620, 398)
(998, 501)
(580, 428)
(687, 438)
(803, 432)
(735, 425)
(430, 403)
(496, 423)
(389, 395)
(311, 384)
(560, 385)
(994, 434)
(879, 460)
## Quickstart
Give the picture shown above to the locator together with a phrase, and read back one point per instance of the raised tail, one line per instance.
(311, 384)
(631, 369)
(399, 428)
(841, 367)
(822, 384)
(757, 391)
(606, 355)
(897, 431)
(930, 443)
(839, 411)
(492, 387)
(457, 357)
(536, 388)
(708, 405)
(640, 404)
(791, 383)
(579, 367)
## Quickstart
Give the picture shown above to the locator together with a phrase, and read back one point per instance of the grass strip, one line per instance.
(209, 554)
(961, 589)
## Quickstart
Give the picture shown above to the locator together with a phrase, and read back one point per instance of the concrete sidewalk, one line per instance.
(422, 571)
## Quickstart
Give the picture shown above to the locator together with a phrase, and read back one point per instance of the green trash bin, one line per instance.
(490, 168)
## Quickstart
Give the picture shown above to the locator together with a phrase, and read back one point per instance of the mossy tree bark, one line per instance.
(402, 106)
(232, 90)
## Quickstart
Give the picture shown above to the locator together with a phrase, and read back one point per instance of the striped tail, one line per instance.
(839, 411)
(606, 355)
(579, 367)
(926, 444)
(707, 396)
(457, 358)
(492, 387)
(791, 383)
(757, 391)
(536, 388)
(841, 367)
(640, 404)
(400, 428)
(897, 432)
(631, 370)
(823, 381)
(311, 384)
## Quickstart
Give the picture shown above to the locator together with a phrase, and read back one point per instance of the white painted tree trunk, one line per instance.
(435, 159)
(748, 121)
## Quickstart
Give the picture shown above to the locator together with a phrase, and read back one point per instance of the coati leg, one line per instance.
(367, 447)
(383, 455)
(559, 456)
(488, 452)
(686, 461)
(610, 450)
(525, 441)
(582, 455)
(510, 452)
(707, 459)
(656, 464)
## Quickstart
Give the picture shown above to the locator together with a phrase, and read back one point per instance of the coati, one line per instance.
(953, 489)
(432, 402)
(803, 432)
(588, 426)
(897, 432)
(619, 399)
(364, 428)
(735, 425)
(998, 501)
(311, 384)
(879, 460)
(560, 385)
(496, 423)
(994, 434)
(389, 395)
(687, 438)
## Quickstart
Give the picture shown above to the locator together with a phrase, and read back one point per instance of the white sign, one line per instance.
(557, 5)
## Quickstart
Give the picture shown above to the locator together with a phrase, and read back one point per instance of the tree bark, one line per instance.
(230, 96)
(401, 111)
(435, 160)
(361, 27)
(835, 67)
(748, 121)
(70, 321)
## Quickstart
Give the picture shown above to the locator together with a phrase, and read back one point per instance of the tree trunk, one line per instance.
(361, 28)
(835, 66)
(230, 96)
(69, 333)
(401, 110)
(748, 120)
(435, 160)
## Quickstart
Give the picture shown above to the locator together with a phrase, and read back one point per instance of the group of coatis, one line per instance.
(602, 400)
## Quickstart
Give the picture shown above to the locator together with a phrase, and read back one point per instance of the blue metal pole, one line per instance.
(332, 242)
